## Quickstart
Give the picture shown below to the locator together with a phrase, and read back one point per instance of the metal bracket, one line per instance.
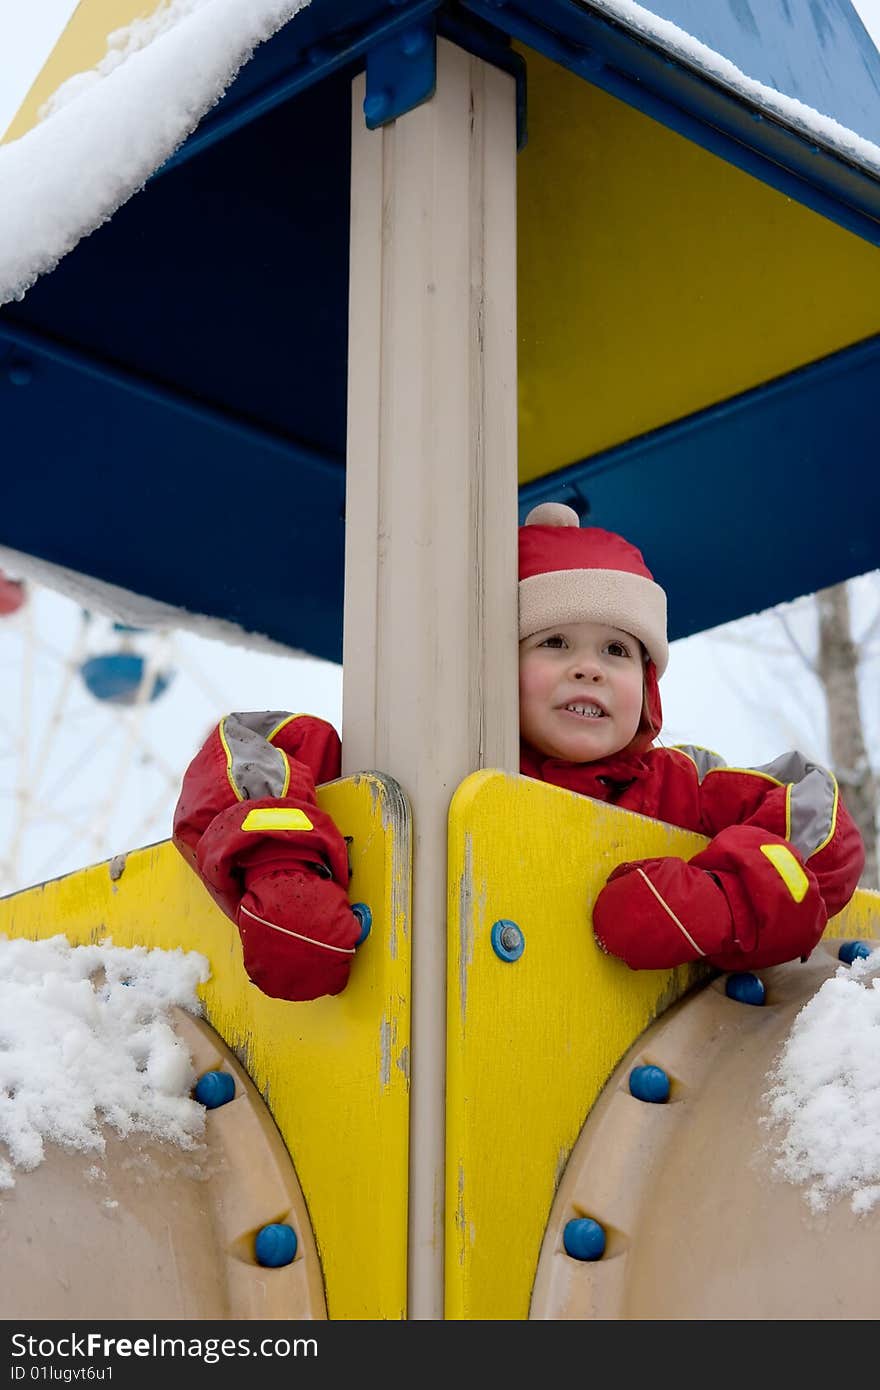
(401, 73)
(402, 70)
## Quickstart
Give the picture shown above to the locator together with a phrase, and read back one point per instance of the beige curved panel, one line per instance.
(148, 1230)
(697, 1224)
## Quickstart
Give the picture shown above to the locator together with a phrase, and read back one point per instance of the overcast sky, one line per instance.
(869, 13)
(27, 36)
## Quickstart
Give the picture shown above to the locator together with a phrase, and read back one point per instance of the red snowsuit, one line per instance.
(247, 821)
(784, 857)
(784, 853)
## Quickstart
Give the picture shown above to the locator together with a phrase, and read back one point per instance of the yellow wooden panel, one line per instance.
(859, 920)
(655, 279)
(530, 1043)
(334, 1072)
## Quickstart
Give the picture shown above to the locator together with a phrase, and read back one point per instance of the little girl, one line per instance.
(784, 854)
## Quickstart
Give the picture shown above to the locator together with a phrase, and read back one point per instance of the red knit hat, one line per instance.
(573, 575)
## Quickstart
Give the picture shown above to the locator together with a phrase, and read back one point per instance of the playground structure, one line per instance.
(537, 1135)
(658, 230)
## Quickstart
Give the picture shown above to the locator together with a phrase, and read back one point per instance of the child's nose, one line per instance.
(587, 668)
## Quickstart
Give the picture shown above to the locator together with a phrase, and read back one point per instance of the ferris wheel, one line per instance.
(99, 719)
(83, 774)
(73, 728)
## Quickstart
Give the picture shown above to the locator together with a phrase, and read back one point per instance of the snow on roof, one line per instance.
(821, 129)
(106, 131)
(125, 606)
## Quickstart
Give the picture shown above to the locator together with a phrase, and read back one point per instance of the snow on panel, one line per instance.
(850, 77)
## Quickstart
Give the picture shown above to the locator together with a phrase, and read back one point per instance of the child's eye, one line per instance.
(617, 649)
(557, 640)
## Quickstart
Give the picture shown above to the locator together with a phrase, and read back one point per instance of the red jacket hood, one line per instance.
(648, 728)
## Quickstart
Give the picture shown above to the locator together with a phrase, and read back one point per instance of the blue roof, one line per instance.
(817, 51)
(184, 406)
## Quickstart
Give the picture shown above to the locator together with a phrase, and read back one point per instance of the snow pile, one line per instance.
(106, 131)
(86, 1040)
(824, 1101)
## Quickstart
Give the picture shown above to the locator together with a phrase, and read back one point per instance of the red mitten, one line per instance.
(298, 932)
(657, 913)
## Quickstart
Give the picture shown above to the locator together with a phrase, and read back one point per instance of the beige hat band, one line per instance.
(625, 601)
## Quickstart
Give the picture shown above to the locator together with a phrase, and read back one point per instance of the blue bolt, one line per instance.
(649, 1083)
(214, 1088)
(377, 104)
(853, 950)
(365, 917)
(508, 942)
(583, 1238)
(415, 41)
(745, 988)
(275, 1245)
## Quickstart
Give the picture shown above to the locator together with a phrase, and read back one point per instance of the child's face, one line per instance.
(580, 691)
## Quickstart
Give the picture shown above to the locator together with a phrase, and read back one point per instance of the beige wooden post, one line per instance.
(430, 632)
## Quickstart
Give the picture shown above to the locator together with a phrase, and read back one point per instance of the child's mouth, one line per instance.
(585, 711)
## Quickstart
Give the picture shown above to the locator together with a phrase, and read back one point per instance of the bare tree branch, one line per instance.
(838, 669)
(786, 627)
